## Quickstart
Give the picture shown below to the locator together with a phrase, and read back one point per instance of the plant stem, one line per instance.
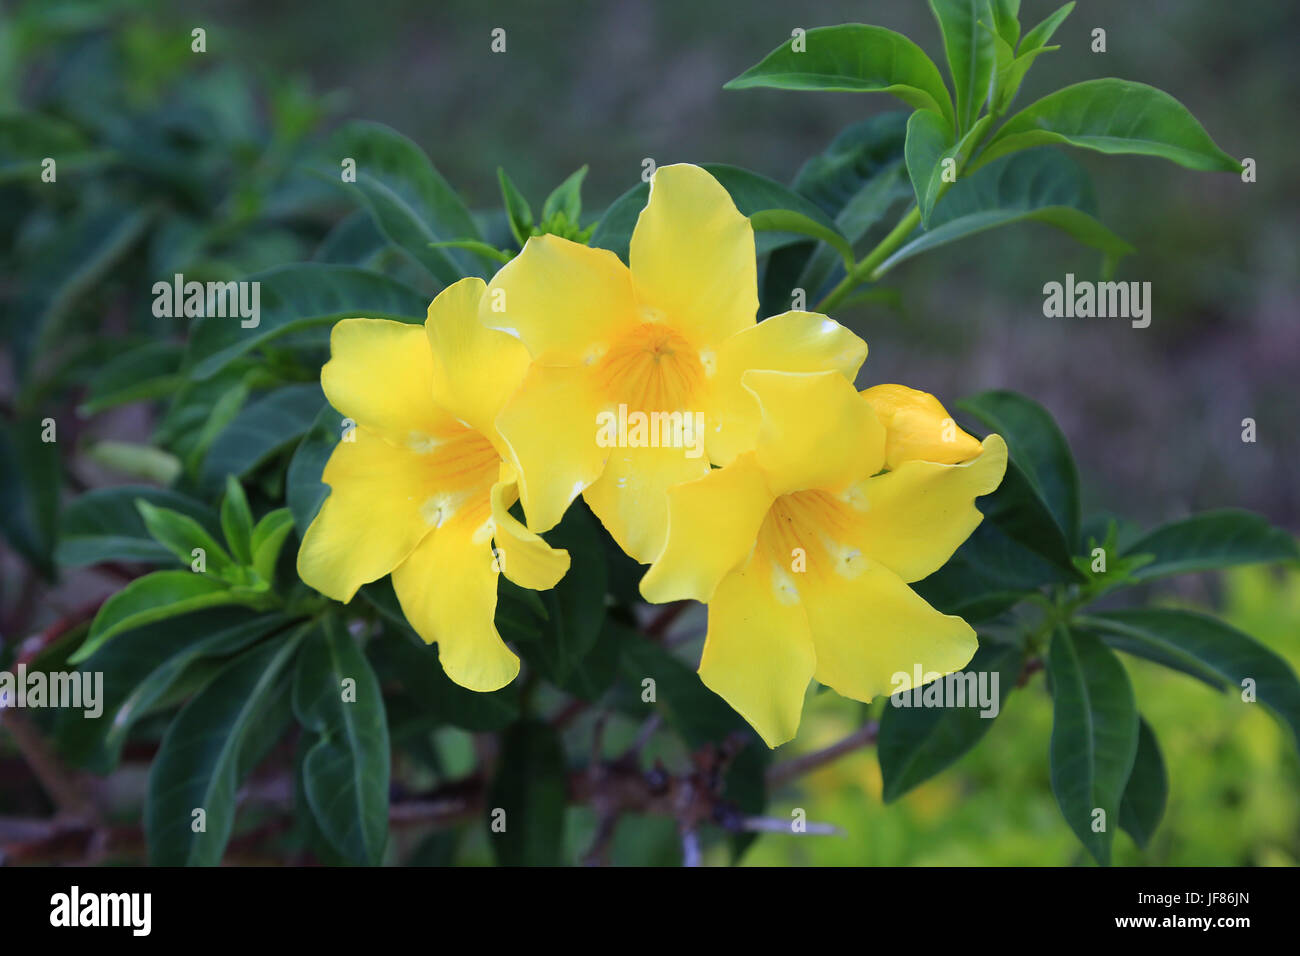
(863, 271)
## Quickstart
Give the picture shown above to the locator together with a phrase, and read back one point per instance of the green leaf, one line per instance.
(1038, 448)
(105, 525)
(1143, 803)
(354, 240)
(148, 372)
(491, 253)
(1214, 539)
(786, 220)
(853, 57)
(915, 743)
(750, 192)
(267, 540)
(346, 771)
(1040, 186)
(1094, 737)
(1113, 116)
(142, 666)
(1201, 644)
(261, 428)
(237, 521)
(576, 606)
(970, 53)
(408, 198)
(31, 474)
(401, 658)
(1006, 20)
(688, 706)
(156, 596)
(566, 198)
(861, 155)
(298, 297)
(531, 787)
(929, 140)
(198, 765)
(304, 491)
(1041, 34)
(518, 214)
(27, 138)
(182, 535)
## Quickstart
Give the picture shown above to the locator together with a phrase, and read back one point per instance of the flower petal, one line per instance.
(692, 256)
(631, 496)
(549, 427)
(380, 375)
(372, 518)
(757, 654)
(790, 342)
(918, 427)
(448, 591)
(567, 302)
(913, 518)
(815, 431)
(475, 369)
(868, 627)
(712, 525)
(522, 556)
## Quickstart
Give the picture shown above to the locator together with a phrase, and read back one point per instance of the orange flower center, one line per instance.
(651, 368)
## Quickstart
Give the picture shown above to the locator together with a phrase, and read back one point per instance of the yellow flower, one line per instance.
(615, 347)
(803, 549)
(420, 487)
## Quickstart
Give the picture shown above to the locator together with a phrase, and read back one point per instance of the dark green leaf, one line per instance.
(566, 198)
(415, 666)
(304, 491)
(237, 521)
(259, 430)
(140, 374)
(1214, 539)
(518, 214)
(297, 297)
(915, 743)
(197, 767)
(1144, 798)
(528, 796)
(105, 525)
(1094, 737)
(346, 772)
(31, 475)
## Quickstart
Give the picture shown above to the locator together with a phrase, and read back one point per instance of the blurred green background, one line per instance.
(1154, 415)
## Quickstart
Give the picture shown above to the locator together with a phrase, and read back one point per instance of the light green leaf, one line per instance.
(267, 540)
(1113, 116)
(237, 521)
(853, 57)
(518, 213)
(182, 535)
(789, 221)
(970, 53)
(566, 198)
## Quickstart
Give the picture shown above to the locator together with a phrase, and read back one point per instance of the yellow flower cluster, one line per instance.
(734, 457)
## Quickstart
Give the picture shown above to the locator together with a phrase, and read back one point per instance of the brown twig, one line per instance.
(784, 772)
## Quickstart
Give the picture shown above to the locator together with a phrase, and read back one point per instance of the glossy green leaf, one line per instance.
(198, 765)
(915, 743)
(1147, 790)
(1205, 644)
(1113, 116)
(1094, 737)
(788, 221)
(105, 525)
(142, 666)
(969, 48)
(853, 57)
(237, 521)
(1042, 34)
(1038, 447)
(528, 796)
(566, 198)
(481, 249)
(182, 535)
(1212, 539)
(518, 213)
(337, 698)
(929, 142)
(267, 540)
(410, 201)
(1040, 186)
(304, 491)
(698, 714)
(157, 596)
(298, 297)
